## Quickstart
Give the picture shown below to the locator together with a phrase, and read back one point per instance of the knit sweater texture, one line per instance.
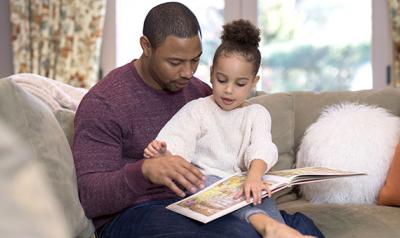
(220, 142)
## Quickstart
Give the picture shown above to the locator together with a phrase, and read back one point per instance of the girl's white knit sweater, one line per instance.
(220, 142)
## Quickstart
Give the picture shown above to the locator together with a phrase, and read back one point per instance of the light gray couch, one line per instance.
(48, 135)
(45, 137)
(292, 114)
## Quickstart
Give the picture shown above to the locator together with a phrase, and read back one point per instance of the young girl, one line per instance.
(222, 134)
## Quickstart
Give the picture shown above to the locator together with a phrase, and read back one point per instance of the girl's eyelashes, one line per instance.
(239, 84)
(221, 80)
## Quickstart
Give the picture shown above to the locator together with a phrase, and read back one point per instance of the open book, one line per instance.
(218, 199)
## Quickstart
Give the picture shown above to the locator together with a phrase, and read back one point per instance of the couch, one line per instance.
(47, 135)
(292, 114)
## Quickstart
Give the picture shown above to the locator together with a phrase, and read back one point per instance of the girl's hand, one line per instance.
(253, 187)
(155, 149)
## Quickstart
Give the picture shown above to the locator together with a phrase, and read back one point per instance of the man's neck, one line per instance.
(144, 74)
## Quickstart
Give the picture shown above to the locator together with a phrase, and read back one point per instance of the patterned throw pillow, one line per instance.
(353, 137)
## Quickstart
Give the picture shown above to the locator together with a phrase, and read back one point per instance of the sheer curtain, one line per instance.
(394, 8)
(59, 39)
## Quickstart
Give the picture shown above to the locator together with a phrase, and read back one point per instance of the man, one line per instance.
(121, 192)
(124, 194)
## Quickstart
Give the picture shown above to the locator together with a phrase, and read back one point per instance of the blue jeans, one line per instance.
(152, 219)
(302, 223)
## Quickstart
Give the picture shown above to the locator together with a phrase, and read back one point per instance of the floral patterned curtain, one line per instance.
(394, 8)
(58, 39)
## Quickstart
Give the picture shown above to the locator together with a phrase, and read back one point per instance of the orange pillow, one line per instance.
(390, 192)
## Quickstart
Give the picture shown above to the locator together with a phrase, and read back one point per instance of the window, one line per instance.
(315, 45)
(339, 30)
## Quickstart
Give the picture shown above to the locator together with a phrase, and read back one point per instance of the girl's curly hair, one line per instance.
(240, 37)
(241, 32)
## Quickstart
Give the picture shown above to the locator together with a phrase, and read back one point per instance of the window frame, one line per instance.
(381, 43)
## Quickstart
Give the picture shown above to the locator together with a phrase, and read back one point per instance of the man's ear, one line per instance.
(146, 45)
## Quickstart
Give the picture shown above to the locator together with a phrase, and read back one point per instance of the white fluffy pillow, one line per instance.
(352, 137)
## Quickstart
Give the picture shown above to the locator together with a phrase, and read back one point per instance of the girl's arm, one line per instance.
(254, 185)
(261, 146)
(257, 168)
(156, 149)
(181, 131)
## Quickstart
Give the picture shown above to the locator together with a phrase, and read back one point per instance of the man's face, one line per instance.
(173, 63)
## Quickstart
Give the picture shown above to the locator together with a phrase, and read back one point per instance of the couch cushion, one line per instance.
(26, 196)
(308, 105)
(345, 221)
(65, 118)
(35, 123)
(280, 106)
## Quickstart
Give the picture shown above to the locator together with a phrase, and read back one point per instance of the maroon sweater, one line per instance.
(115, 121)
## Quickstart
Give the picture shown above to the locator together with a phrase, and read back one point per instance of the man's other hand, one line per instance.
(173, 170)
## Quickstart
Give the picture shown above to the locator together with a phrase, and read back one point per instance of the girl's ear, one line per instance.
(146, 45)
(255, 81)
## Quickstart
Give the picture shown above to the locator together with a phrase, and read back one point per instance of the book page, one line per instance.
(218, 199)
(213, 202)
(291, 173)
(276, 183)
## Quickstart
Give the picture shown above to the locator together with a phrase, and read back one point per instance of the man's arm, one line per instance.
(106, 186)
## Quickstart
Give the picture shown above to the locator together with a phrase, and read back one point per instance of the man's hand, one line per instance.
(173, 170)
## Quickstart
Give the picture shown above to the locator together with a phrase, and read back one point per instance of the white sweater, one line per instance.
(220, 142)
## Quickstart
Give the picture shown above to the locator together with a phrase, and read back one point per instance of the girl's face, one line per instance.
(232, 79)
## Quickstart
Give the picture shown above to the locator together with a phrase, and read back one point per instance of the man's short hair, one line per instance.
(171, 18)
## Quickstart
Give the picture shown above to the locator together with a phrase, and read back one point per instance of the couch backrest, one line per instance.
(281, 109)
(292, 113)
(33, 122)
(65, 118)
(308, 105)
(28, 207)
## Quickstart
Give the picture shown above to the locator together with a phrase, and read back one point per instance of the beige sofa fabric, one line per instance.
(350, 221)
(281, 109)
(280, 106)
(28, 207)
(65, 118)
(303, 109)
(46, 136)
(308, 105)
(34, 122)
